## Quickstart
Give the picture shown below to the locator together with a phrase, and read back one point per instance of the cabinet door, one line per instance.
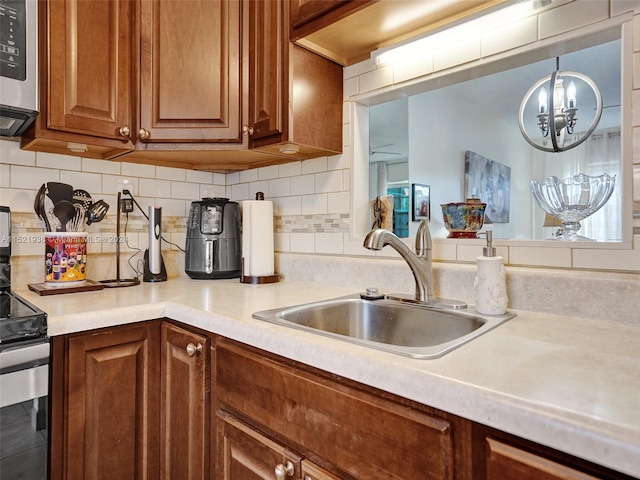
(245, 454)
(185, 386)
(89, 70)
(111, 406)
(268, 72)
(311, 471)
(506, 462)
(190, 71)
(303, 11)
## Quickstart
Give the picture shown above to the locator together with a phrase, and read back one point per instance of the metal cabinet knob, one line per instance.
(247, 130)
(124, 131)
(143, 134)
(284, 471)
(193, 349)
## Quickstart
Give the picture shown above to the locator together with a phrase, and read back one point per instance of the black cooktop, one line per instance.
(19, 320)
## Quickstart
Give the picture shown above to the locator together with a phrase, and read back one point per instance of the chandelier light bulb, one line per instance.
(542, 100)
(571, 95)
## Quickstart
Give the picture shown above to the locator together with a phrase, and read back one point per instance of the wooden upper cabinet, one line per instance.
(85, 75)
(303, 11)
(185, 388)
(190, 71)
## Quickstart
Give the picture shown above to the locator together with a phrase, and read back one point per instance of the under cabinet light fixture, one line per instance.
(423, 47)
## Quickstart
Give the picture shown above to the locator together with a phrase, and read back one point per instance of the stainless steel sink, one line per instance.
(416, 331)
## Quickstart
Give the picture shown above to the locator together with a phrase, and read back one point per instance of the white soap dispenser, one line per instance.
(490, 283)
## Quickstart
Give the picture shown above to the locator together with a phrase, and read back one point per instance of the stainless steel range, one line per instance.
(24, 375)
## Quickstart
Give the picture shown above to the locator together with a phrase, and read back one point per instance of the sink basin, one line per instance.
(412, 330)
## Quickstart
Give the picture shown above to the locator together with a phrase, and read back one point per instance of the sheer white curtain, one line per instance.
(597, 155)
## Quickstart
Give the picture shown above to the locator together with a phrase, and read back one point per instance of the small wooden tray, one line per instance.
(43, 289)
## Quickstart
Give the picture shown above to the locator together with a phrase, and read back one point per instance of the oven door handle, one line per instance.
(22, 358)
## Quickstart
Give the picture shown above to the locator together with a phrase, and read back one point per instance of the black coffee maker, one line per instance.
(214, 240)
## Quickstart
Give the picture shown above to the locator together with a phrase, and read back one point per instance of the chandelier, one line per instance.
(556, 109)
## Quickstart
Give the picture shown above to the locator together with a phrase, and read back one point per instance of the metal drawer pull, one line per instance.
(284, 471)
(247, 130)
(124, 131)
(143, 134)
(193, 349)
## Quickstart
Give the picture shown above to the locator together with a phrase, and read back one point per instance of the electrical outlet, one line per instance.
(127, 205)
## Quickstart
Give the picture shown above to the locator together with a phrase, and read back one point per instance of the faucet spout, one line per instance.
(419, 262)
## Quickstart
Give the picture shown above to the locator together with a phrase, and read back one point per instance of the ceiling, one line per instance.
(500, 95)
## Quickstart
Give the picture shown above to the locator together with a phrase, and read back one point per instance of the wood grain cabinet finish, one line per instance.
(185, 404)
(86, 79)
(358, 434)
(191, 71)
(105, 404)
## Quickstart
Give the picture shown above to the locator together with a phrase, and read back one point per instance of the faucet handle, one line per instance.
(423, 238)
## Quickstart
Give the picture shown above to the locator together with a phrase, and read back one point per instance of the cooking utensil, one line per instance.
(38, 206)
(58, 192)
(77, 223)
(97, 211)
(65, 211)
(82, 197)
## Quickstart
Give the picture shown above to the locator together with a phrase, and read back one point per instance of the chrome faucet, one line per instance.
(419, 262)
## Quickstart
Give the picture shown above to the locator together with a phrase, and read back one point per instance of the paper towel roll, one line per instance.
(257, 238)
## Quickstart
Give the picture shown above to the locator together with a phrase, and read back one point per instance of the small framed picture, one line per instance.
(420, 202)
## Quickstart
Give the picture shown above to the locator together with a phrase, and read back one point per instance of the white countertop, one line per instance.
(571, 384)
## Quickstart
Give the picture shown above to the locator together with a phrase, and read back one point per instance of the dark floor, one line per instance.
(23, 450)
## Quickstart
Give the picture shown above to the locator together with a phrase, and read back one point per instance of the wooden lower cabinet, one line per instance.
(130, 402)
(351, 431)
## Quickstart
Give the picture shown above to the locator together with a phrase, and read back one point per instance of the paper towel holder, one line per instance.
(258, 279)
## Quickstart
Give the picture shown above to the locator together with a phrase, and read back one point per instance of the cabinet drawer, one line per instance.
(359, 433)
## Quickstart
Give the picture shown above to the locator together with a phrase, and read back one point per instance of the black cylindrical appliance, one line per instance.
(214, 241)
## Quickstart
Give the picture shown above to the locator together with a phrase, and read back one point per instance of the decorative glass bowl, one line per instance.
(573, 199)
(463, 219)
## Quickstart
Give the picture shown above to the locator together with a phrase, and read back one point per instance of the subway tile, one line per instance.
(279, 187)
(179, 239)
(636, 144)
(173, 207)
(5, 175)
(219, 179)
(303, 185)
(239, 192)
(328, 182)
(167, 173)
(349, 88)
(445, 251)
(54, 160)
(346, 179)
(100, 166)
(196, 176)
(213, 191)
(314, 204)
(32, 177)
(329, 243)
(636, 70)
(285, 206)
(358, 69)
(138, 170)
(291, 169)
(510, 36)
(338, 202)
(381, 77)
(255, 187)
(267, 173)
(247, 176)
(110, 184)
(636, 183)
(608, 259)
(302, 242)
(619, 7)
(231, 178)
(155, 188)
(33, 245)
(636, 110)
(186, 191)
(406, 70)
(354, 246)
(11, 153)
(91, 182)
(346, 113)
(457, 54)
(314, 165)
(347, 138)
(571, 16)
(18, 200)
(282, 243)
(636, 33)
(341, 161)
